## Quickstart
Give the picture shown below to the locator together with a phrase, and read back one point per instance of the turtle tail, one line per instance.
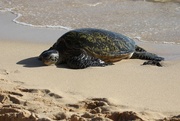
(146, 56)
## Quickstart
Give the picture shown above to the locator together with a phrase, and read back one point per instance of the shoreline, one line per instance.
(51, 30)
(149, 91)
(18, 15)
(13, 31)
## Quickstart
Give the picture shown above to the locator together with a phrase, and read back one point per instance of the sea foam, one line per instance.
(18, 15)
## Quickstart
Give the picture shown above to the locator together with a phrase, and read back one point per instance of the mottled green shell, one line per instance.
(99, 43)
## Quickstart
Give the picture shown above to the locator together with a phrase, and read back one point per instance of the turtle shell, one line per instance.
(106, 45)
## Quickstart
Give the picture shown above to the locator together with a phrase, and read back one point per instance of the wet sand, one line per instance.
(124, 91)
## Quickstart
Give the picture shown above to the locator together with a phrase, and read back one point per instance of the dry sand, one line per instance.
(121, 92)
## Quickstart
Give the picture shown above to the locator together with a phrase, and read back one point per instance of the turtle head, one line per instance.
(49, 57)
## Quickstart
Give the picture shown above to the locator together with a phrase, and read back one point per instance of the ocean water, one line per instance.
(144, 20)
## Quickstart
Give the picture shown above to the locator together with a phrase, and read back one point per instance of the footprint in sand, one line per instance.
(100, 109)
(43, 92)
(23, 103)
(7, 97)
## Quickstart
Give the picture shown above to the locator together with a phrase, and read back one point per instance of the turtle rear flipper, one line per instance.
(152, 62)
(146, 56)
(84, 60)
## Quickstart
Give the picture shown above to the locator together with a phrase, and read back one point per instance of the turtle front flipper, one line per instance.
(146, 56)
(84, 60)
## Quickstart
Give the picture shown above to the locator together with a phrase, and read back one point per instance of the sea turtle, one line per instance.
(81, 48)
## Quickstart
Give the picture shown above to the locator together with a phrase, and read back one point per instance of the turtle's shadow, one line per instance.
(31, 62)
(35, 62)
(65, 66)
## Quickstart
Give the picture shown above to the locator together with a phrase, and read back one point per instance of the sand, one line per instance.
(124, 91)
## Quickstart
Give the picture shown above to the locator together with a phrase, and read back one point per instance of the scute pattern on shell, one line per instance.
(99, 42)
